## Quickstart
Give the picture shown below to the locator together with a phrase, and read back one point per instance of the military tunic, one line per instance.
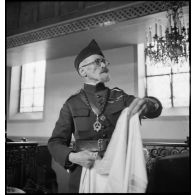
(77, 118)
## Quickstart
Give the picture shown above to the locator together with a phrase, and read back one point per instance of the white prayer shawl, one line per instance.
(122, 169)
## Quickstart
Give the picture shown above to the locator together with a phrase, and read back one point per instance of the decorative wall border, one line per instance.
(90, 22)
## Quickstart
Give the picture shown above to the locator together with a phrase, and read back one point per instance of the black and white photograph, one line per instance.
(98, 97)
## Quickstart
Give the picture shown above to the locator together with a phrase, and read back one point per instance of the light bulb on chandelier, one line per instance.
(173, 47)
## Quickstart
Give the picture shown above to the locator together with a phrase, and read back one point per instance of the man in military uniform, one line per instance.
(91, 115)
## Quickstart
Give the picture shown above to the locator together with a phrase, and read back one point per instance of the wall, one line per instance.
(8, 76)
(62, 81)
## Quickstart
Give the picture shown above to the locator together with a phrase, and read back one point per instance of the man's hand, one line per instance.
(84, 158)
(137, 106)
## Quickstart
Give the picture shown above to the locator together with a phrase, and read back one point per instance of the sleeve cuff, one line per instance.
(68, 164)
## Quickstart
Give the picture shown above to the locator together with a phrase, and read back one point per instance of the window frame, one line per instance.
(171, 83)
(33, 87)
(168, 114)
(14, 103)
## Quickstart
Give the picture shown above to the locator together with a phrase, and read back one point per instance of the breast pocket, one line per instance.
(81, 119)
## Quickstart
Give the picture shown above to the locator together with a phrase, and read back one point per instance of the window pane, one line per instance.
(159, 87)
(27, 75)
(38, 97)
(26, 98)
(181, 89)
(32, 87)
(157, 69)
(39, 74)
(181, 67)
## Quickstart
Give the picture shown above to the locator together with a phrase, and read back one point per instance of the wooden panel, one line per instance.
(170, 174)
(95, 6)
(68, 7)
(97, 15)
(12, 15)
(33, 14)
(29, 168)
(27, 13)
(46, 10)
(20, 161)
(91, 4)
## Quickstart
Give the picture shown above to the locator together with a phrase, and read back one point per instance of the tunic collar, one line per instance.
(94, 88)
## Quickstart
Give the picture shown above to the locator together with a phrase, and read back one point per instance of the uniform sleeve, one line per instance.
(58, 143)
(154, 106)
(128, 99)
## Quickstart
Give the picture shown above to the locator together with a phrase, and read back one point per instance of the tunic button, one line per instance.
(104, 135)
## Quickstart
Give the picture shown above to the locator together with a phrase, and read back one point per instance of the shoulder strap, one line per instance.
(89, 104)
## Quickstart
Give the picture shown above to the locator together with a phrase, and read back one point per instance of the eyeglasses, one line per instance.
(98, 62)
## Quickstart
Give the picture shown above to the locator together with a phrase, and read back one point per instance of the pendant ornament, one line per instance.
(97, 125)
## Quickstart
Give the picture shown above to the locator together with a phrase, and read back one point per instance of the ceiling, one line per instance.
(113, 36)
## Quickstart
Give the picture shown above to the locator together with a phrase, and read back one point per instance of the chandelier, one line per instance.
(173, 47)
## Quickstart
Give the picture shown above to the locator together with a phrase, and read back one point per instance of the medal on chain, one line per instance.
(97, 125)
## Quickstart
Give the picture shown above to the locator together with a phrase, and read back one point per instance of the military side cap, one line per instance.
(91, 49)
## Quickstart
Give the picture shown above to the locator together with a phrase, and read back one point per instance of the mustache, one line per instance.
(104, 70)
